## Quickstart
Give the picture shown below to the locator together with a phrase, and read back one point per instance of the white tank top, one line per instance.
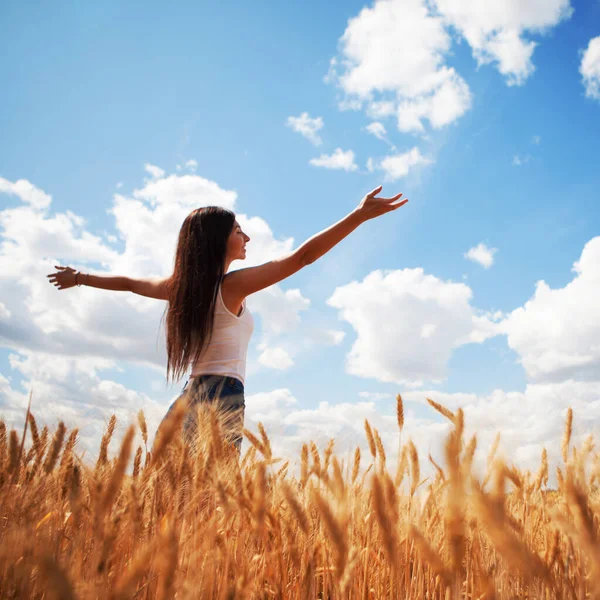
(226, 351)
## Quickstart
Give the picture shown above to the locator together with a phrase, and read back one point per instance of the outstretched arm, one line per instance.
(369, 208)
(66, 277)
(247, 281)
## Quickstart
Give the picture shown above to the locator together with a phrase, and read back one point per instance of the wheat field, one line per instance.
(197, 521)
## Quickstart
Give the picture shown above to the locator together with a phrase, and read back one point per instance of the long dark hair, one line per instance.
(197, 272)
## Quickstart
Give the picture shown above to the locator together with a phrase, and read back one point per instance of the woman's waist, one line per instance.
(231, 378)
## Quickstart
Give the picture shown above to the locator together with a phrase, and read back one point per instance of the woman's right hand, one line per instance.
(64, 278)
(371, 206)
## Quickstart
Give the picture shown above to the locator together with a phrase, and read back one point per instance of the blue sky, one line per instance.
(93, 93)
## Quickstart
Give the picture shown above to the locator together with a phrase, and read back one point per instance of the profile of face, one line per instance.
(236, 243)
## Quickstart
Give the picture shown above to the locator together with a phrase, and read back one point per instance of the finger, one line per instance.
(391, 207)
(391, 199)
(375, 191)
(58, 267)
(395, 206)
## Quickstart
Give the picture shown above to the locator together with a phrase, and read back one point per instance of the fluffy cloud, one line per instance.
(555, 333)
(155, 172)
(27, 192)
(397, 166)
(377, 129)
(269, 407)
(329, 337)
(279, 309)
(590, 69)
(375, 70)
(192, 164)
(375, 395)
(275, 358)
(338, 160)
(482, 255)
(451, 99)
(373, 47)
(388, 310)
(496, 31)
(307, 127)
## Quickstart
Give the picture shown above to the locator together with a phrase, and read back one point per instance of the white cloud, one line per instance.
(271, 409)
(328, 337)
(428, 330)
(397, 166)
(496, 30)
(156, 172)
(482, 255)
(556, 332)
(380, 109)
(192, 164)
(389, 310)
(27, 192)
(307, 126)
(378, 73)
(377, 129)
(375, 395)
(536, 139)
(338, 160)
(275, 358)
(451, 99)
(373, 49)
(375, 71)
(590, 69)
(279, 309)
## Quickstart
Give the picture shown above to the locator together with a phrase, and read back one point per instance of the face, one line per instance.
(236, 244)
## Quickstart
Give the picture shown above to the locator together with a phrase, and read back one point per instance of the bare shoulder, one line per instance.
(243, 282)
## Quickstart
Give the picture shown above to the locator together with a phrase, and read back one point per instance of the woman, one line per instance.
(208, 326)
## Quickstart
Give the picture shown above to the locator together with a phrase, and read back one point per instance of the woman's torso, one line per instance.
(226, 351)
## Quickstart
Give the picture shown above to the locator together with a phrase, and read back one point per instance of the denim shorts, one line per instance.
(228, 392)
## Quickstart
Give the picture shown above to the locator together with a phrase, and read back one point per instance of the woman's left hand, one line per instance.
(371, 206)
